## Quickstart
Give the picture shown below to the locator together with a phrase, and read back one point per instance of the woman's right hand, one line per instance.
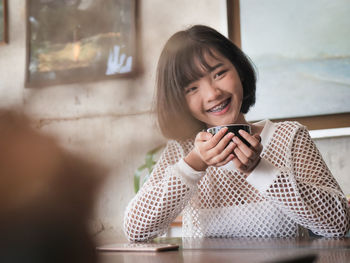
(211, 150)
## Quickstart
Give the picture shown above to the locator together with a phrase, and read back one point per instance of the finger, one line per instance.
(217, 137)
(229, 158)
(222, 144)
(253, 140)
(258, 137)
(239, 165)
(259, 147)
(247, 151)
(223, 154)
(203, 136)
(242, 157)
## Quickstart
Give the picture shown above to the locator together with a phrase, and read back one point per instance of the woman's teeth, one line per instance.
(220, 107)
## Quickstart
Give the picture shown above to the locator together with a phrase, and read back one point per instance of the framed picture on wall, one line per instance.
(3, 21)
(79, 41)
(303, 71)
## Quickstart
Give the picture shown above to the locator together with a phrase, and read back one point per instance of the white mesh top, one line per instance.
(290, 187)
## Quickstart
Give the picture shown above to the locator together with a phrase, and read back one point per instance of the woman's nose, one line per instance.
(211, 92)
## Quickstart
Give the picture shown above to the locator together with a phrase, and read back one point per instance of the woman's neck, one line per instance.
(241, 119)
(254, 128)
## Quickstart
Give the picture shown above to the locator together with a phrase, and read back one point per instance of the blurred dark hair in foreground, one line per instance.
(46, 197)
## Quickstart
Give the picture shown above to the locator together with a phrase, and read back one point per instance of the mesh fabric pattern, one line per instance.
(223, 204)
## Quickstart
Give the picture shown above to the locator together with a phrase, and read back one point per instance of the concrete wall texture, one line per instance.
(111, 121)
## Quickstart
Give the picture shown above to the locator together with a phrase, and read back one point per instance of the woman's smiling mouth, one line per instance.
(221, 108)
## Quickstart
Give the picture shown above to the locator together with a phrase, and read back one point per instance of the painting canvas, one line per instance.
(302, 56)
(79, 40)
(3, 29)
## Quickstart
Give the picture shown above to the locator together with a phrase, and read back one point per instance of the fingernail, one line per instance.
(224, 128)
(241, 131)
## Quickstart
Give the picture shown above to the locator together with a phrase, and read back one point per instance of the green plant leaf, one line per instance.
(149, 161)
(149, 165)
(137, 176)
(145, 178)
(136, 182)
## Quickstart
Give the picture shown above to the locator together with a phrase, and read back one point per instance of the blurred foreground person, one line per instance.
(46, 197)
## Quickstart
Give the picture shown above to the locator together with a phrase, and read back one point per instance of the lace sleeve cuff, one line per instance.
(263, 175)
(188, 172)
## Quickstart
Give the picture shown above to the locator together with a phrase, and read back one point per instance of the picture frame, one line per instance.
(298, 85)
(79, 41)
(3, 22)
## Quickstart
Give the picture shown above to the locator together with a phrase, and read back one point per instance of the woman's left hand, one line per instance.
(247, 158)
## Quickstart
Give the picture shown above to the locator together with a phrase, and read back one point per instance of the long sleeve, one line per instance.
(161, 199)
(295, 178)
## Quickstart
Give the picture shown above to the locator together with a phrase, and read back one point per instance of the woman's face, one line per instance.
(216, 98)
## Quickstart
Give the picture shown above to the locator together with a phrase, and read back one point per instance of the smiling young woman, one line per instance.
(274, 187)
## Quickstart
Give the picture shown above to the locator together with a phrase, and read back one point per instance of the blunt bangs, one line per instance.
(191, 65)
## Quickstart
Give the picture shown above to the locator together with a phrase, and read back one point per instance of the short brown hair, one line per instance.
(177, 67)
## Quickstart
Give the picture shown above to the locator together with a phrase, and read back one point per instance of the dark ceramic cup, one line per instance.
(234, 128)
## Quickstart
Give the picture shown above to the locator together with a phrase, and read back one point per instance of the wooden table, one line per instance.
(241, 250)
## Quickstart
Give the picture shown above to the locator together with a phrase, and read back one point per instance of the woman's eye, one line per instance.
(219, 74)
(190, 89)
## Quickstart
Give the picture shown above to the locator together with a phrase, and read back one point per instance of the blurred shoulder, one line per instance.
(289, 127)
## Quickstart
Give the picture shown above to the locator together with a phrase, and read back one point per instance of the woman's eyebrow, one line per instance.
(215, 67)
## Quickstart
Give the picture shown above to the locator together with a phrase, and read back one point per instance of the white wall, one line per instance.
(110, 121)
(336, 152)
